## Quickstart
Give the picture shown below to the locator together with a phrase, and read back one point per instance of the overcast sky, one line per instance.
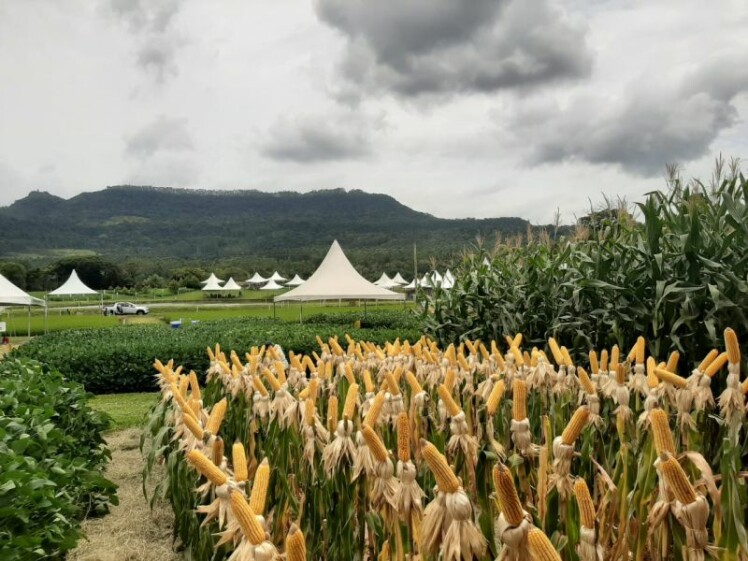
(458, 108)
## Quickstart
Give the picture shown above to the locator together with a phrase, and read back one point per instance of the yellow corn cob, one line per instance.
(349, 373)
(731, 344)
(708, 359)
(309, 410)
(672, 361)
(471, 346)
(195, 407)
(449, 354)
(500, 364)
(251, 527)
(519, 399)
(509, 502)
(181, 402)
(207, 468)
(497, 392)
(259, 386)
(576, 424)
(184, 384)
(415, 387)
(556, 351)
(218, 451)
(484, 352)
(349, 408)
(280, 370)
(584, 502)
(717, 364)
(295, 544)
(374, 443)
(403, 437)
(211, 356)
(676, 479)
(449, 379)
(463, 362)
(526, 358)
(517, 341)
(567, 356)
(585, 382)
(615, 355)
(217, 414)
(376, 407)
(652, 379)
(328, 370)
(332, 413)
(392, 384)
(604, 360)
(670, 378)
(663, 437)
(194, 427)
(452, 407)
(620, 373)
(541, 548)
(272, 380)
(368, 384)
(271, 353)
(313, 387)
(641, 346)
(445, 477)
(335, 346)
(194, 386)
(519, 360)
(158, 365)
(594, 364)
(239, 462)
(259, 494)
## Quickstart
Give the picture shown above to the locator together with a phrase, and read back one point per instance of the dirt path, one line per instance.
(130, 532)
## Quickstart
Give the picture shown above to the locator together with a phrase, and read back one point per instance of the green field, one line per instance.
(126, 409)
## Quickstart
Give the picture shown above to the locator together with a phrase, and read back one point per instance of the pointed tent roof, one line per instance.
(257, 278)
(211, 279)
(11, 295)
(337, 278)
(272, 285)
(449, 275)
(212, 284)
(295, 281)
(425, 281)
(72, 287)
(276, 277)
(383, 280)
(399, 279)
(231, 285)
(436, 278)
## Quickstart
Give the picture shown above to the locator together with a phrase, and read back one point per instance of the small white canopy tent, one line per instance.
(257, 278)
(272, 285)
(295, 281)
(398, 279)
(436, 278)
(336, 279)
(425, 281)
(212, 285)
(11, 295)
(410, 286)
(211, 280)
(231, 285)
(384, 280)
(276, 277)
(74, 286)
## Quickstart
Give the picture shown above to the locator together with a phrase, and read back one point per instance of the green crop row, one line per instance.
(120, 359)
(52, 456)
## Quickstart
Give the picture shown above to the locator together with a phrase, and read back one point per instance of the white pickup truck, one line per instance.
(124, 309)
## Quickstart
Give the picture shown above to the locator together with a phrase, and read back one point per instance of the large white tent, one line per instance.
(272, 285)
(231, 285)
(257, 278)
(213, 284)
(399, 279)
(336, 279)
(295, 281)
(74, 286)
(276, 276)
(11, 295)
(212, 280)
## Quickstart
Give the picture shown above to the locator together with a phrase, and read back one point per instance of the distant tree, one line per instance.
(14, 272)
(94, 271)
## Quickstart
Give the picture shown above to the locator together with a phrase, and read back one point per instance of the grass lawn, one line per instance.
(126, 409)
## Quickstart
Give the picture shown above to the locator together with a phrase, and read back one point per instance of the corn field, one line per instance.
(486, 450)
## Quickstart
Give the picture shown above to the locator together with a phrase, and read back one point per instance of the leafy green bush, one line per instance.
(51, 458)
(389, 319)
(677, 279)
(120, 359)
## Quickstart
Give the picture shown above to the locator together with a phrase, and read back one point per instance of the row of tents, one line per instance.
(274, 282)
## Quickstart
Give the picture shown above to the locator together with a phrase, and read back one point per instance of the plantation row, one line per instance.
(675, 279)
(120, 359)
(401, 450)
(52, 457)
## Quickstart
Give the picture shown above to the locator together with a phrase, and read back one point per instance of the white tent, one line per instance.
(335, 279)
(436, 278)
(212, 280)
(257, 278)
(213, 284)
(410, 286)
(295, 281)
(425, 281)
(11, 295)
(231, 285)
(74, 286)
(486, 262)
(384, 280)
(449, 275)
(276, 277)
(399, 279)
(272, 285)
